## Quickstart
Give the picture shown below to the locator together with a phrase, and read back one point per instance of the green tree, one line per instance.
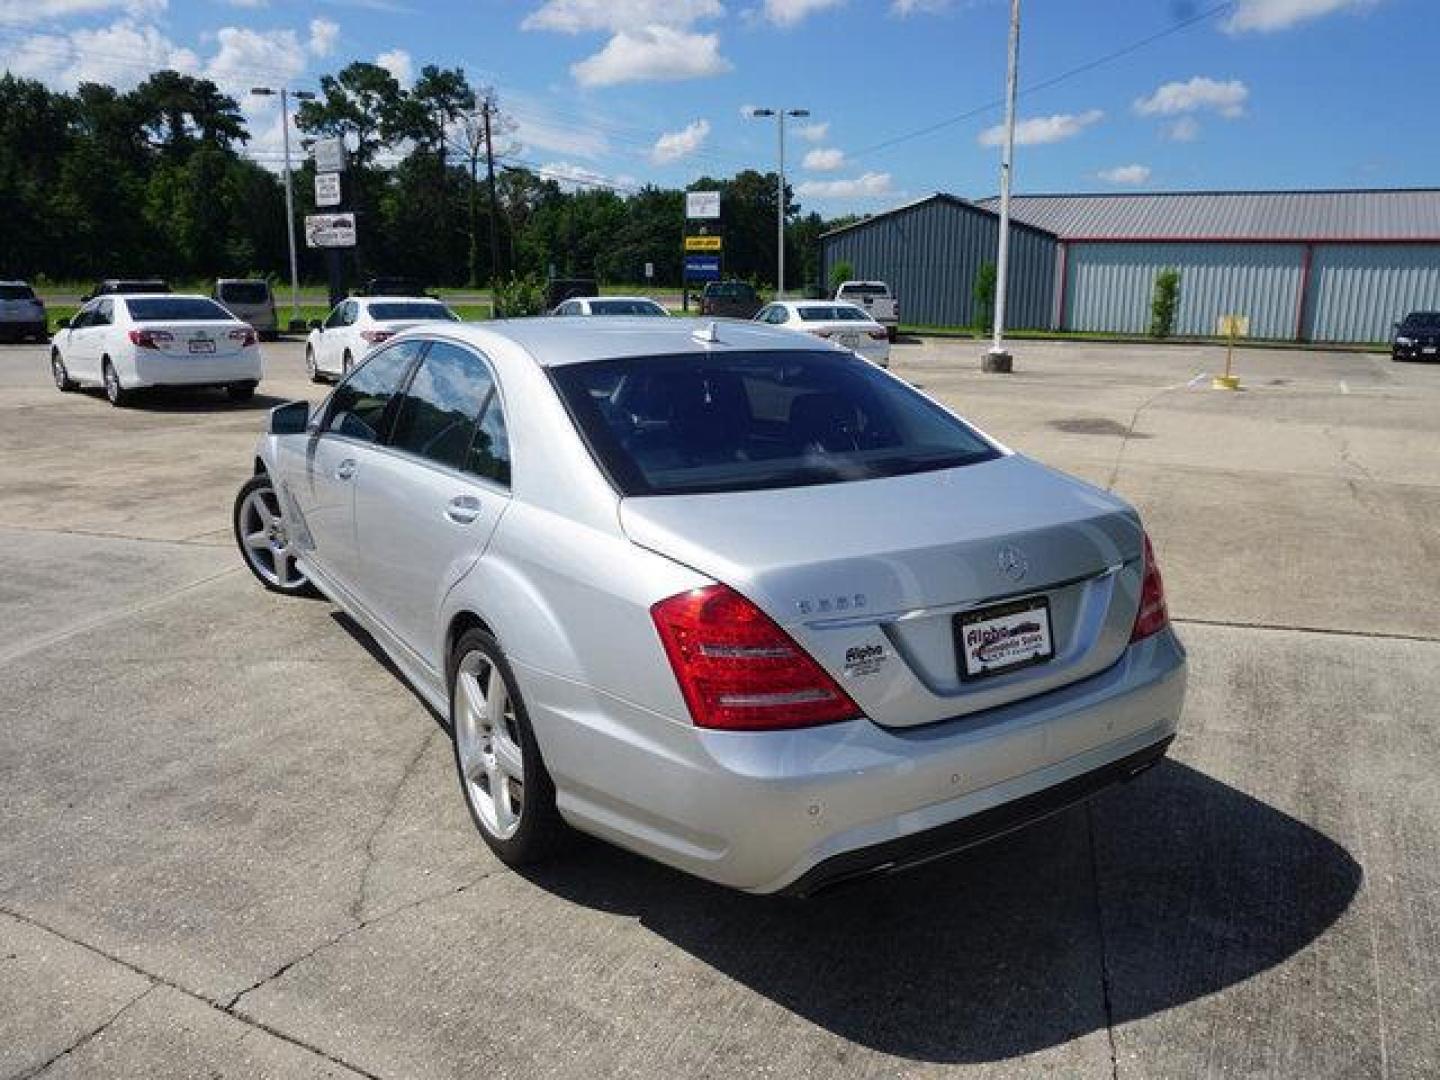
(841, 272)
(363, 104)
(1164, 303)
(984, 294)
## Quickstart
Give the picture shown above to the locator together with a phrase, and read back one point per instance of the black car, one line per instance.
(112, 286)
(1417, 337)
(730, 299)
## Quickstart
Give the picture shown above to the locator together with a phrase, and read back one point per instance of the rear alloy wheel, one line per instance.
(63, 382)
(310, 365)
(240, 392)
(116, 394)
(264, 539)
(506, 786)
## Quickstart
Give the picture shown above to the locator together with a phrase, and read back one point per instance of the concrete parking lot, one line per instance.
(231, 842)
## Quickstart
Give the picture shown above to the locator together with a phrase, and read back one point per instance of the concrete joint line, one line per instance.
(357, 908)
(88, 1036)
(1100, 936)
(1135, 419)
(1375, 635)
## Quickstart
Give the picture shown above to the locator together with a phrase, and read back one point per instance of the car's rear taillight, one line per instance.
(246, 337)
(738, 670)
(1152, 616)
(374, 337)
(150, 339)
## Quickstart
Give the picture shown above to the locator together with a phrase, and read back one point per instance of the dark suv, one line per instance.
(730, 299)
(1417, 337)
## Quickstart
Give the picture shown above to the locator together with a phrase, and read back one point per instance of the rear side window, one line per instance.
(245, 292)
(16, 292)
(838, 313)
(178, 309)
(865, 289)
(438, 414)
(751, 421)
(359, 406)
(626, 307)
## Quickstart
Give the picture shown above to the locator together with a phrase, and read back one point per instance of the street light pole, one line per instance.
(780, 115)
(300, 95)
(997, 359)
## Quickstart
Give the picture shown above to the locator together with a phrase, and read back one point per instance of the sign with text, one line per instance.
(702, 243)
(327, 189)
(329, 155)
(702, 267)
(330, 230)
(702, 205)
(1233, 326)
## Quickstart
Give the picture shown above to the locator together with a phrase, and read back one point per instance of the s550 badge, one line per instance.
(829, 605)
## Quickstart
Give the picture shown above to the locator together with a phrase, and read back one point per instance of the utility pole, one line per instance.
(300, 95)
(780, 115)
(489, 110)
(997, 360)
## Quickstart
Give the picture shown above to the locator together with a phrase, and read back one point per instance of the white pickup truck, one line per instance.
(877, 300)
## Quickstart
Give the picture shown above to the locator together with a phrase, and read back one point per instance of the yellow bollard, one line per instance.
(1230, 323)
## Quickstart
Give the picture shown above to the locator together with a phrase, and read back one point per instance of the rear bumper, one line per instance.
(794, 810)
(183, 371)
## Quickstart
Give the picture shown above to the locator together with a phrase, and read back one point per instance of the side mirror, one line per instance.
(315, 324)
(292, 418)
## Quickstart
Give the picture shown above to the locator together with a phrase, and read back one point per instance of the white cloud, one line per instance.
(120, 55)
(1186, 129)
(397, 62)
(245, 54)
(538, 128)
(814, 133)
(1125, 174)
(791, 12)
(1043, 129)
(652, 54)
(29, 12)
(1266, 15)
(1199, 94)
(572, 177)
(918, 7)
(577, 16)
(323, 35)
(824, 159)
(870, 185)
(251, 5)
(675, 145)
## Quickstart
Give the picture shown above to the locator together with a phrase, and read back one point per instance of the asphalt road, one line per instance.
(231, 842)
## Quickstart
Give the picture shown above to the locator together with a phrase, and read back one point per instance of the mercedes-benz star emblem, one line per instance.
(1013, 563)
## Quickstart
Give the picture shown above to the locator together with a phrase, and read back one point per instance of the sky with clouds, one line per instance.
(902, 94)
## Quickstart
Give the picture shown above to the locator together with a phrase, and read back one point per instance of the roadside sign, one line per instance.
(702, 205)
(327, 189)
(702, 267)
(702, 243)
(330, 230)
(1232, 326)
(649, 270)
(329, 155)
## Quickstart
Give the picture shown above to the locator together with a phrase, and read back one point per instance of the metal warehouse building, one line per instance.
(929, 253)
(1308, 265)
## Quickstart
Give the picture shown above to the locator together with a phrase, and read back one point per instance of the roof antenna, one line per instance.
(707, 334)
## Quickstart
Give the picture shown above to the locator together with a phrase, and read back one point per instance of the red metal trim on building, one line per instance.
(1247, 240)
(1304, 292)
(1064, 249)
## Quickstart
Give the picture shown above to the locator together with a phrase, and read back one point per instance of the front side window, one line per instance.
(104, 313)
(360, 405)
(436, 419)
(336, 317)
(751, 421)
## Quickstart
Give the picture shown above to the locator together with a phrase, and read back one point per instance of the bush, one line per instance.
(519, 297)
(984, 294)
(841, 272)
(1165, 303)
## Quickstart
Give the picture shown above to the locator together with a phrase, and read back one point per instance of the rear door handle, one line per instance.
(345, 470)
(463, 509)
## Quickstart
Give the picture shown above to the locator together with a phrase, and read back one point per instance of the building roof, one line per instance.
(1378, 214)
(939, 196)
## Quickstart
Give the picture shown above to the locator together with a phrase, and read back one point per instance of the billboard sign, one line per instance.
(330, 230)
(702, 243)
(702, 267)
(327, 189)
(329, 155)
(702, 205)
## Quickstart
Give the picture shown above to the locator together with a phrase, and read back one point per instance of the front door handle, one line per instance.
(345, 470)
(463, 509)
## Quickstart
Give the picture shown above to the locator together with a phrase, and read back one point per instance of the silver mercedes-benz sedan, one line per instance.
(725, 595)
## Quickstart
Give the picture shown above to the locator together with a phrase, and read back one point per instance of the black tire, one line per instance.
(310, 365)
(261, 482)
(116, 394)
(892, 334)
(63, 382)
(541, 832)
(240, 392)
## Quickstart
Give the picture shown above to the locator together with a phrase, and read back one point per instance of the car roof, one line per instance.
(559, 342)
(241, 281)
(626, 299)
(396, 299)
(12, 281)
(818, 304)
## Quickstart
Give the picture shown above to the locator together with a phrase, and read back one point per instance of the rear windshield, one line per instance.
(626, 307)
(751, 421)
(735, 290)
(838, 313)
(1422, 320)
(418, 309)
(16, 292)
(868, 288)
(177, 309)
(245, 292)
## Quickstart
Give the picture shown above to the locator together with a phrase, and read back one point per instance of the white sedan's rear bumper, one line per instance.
(157, 369)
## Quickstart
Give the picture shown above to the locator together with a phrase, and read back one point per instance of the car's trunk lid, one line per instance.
(870, 576)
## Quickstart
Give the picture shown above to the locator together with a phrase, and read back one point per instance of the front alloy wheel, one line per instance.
(63, 382)
(505, 784)
(116, 394)
(264, 539)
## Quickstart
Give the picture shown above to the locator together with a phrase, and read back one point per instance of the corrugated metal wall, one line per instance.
(1358, 291)
(1110, 286)
(929, 255)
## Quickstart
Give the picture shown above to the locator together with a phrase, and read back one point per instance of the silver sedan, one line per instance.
(720, 594)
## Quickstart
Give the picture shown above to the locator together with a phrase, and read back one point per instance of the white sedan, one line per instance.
(845, 324)
(611, 305)
(356, 325)
(129, 342)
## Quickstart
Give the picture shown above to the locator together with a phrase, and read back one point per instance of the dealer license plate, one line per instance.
(992, 640)
(202, 346)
